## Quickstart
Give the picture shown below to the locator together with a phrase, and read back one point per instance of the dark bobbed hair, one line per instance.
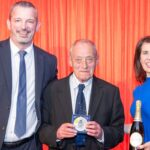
(139, 71)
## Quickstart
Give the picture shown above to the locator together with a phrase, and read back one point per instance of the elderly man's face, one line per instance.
(83, 60)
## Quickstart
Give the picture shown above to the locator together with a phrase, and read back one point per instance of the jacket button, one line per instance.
(3, 128)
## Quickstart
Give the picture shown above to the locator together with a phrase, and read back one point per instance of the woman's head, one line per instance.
(142, 59)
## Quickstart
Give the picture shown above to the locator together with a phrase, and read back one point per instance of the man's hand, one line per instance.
(94, 129)
(66, 130)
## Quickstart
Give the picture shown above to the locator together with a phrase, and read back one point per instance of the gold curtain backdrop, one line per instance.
(114, 25)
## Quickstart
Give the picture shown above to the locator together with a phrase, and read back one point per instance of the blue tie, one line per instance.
(80, 108)
(20, 124)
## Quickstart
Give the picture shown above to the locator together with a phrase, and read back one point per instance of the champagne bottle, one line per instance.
(137, 129)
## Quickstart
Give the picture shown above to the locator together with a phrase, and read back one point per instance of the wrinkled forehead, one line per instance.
(84, 47)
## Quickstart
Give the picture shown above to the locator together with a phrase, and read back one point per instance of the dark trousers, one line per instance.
(30, 145)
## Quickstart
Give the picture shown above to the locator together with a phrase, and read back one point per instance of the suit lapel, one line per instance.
(65, 99)
(39, 66)
(6, 63)
(96, 96)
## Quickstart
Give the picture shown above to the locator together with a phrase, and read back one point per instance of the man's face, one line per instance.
(83, 60)
(23, 25)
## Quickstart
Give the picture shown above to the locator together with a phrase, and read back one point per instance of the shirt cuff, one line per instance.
(101, 140)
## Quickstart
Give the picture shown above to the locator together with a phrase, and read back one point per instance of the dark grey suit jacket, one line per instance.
(45, 70)
(105, 108)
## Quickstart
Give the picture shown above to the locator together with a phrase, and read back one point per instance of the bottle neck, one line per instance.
(138, 114)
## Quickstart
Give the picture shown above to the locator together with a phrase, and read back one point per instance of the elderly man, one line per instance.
(82, 111)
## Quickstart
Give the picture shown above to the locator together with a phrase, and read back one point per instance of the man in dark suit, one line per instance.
(103, 106)
(38, 68)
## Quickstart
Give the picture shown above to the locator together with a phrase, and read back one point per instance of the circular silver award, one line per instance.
(80, 123)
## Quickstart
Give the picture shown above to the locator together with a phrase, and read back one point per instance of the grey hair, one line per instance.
(86, 41)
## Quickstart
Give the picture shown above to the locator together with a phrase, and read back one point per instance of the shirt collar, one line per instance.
(75, 82)
(15, 49)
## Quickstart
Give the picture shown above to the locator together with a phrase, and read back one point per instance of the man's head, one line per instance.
(83, 59)
(23, 23)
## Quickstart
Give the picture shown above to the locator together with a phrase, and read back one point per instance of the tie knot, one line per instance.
(81, 87)
(22, 53)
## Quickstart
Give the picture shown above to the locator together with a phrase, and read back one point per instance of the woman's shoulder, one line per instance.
(137, 88)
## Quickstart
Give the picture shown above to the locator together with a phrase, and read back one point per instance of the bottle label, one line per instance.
(135, 139)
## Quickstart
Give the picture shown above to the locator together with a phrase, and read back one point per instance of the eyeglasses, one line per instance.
(86, 59)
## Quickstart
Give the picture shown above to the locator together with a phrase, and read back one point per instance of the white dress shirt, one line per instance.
(74, 82)
(30, 76)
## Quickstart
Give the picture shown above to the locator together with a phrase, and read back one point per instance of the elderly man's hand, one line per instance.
(66, 130)
(94, 129)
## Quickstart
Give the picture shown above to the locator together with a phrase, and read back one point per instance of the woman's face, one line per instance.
(145, 58)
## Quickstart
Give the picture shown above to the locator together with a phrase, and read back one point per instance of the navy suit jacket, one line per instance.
(105, 108)
(45, 71)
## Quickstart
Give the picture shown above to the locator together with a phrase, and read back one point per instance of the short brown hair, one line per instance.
(22, 4)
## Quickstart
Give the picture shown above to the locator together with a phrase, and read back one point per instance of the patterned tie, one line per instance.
(80, 102)
(20, 124)
(80, 109)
